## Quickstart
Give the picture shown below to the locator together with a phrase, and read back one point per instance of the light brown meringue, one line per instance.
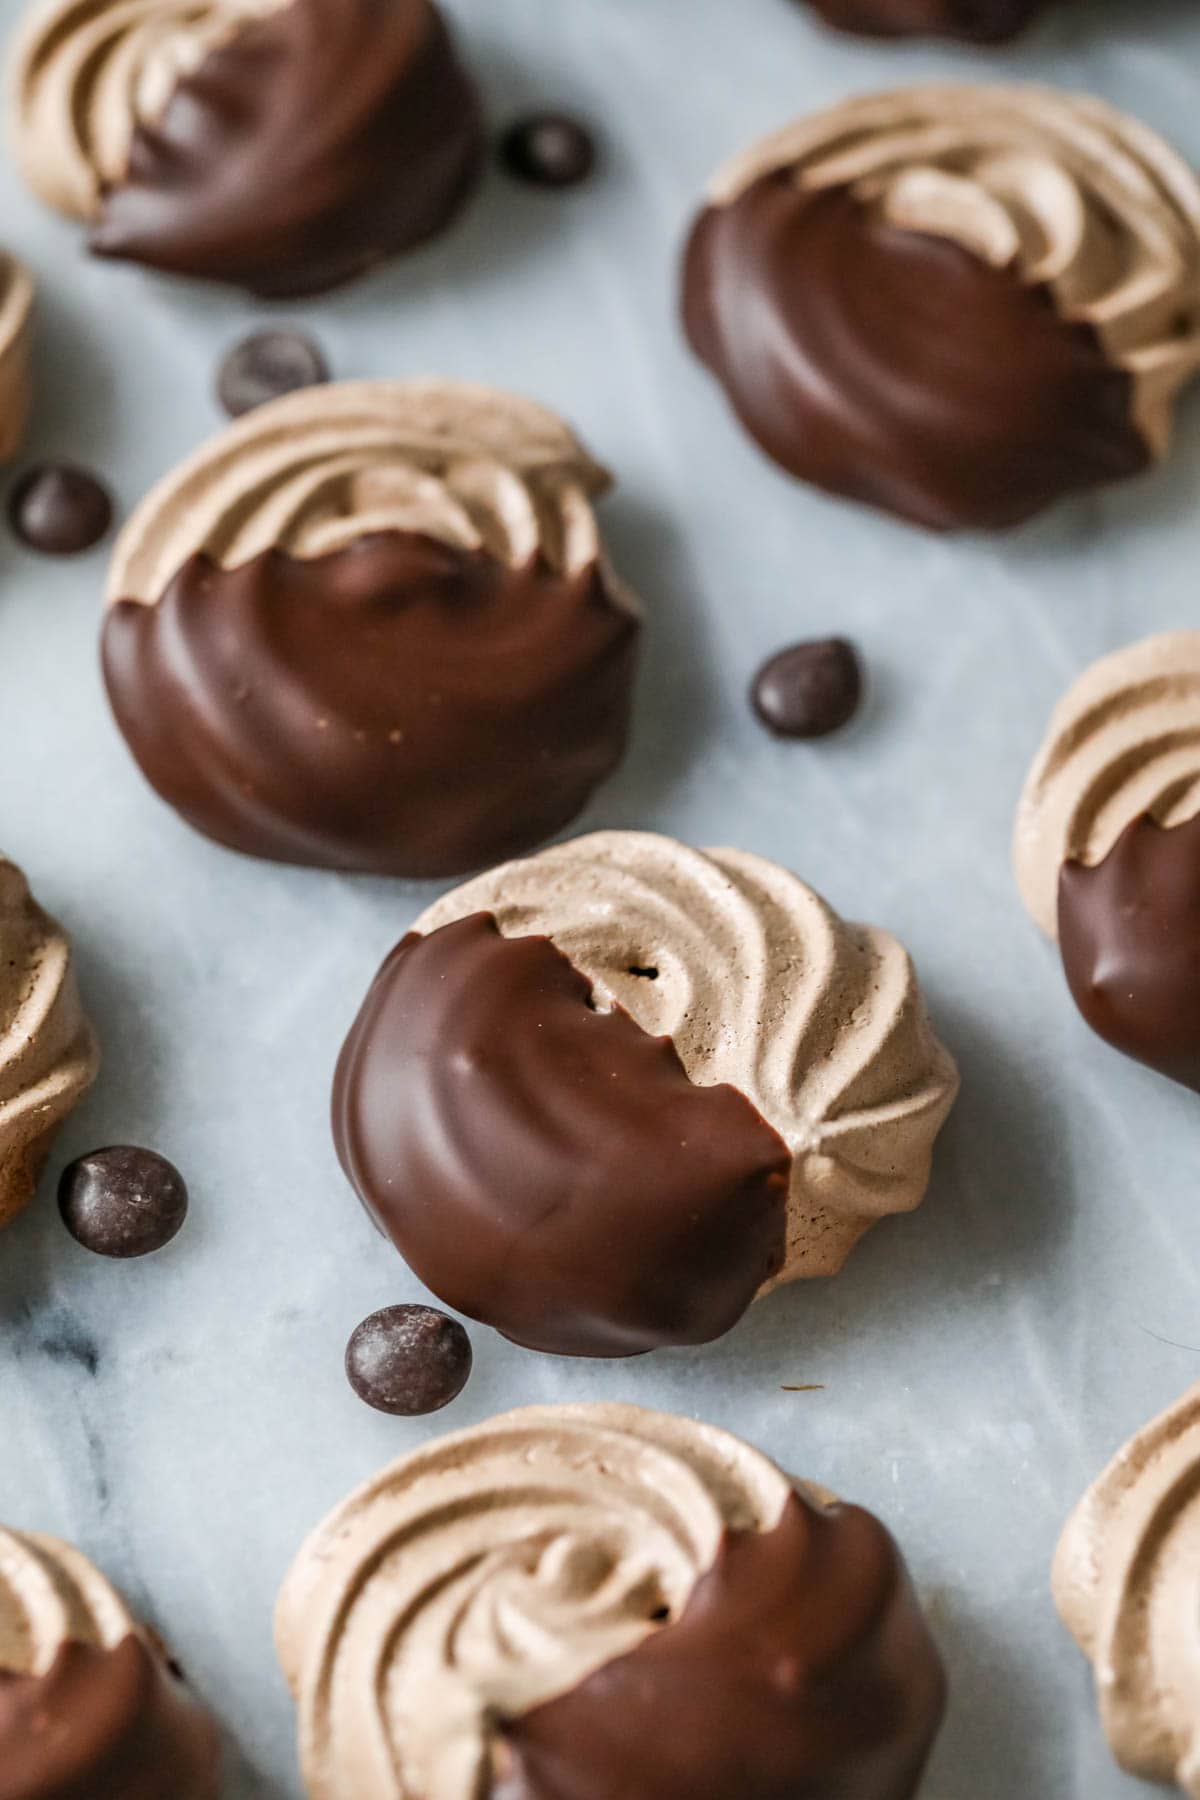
(317, 469)
(48, 1055)
(84, 74)
(493, 1570)
(51, 1595)
(1126, 1580)
(16, 371)
(820, 1023)
(1064, 188)
(1124, 742)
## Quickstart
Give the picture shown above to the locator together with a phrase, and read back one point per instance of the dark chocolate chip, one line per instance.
(264, 366)
(59, 509)
(548, 150)
(408, 1360)
(809, 689)
(122, 1201)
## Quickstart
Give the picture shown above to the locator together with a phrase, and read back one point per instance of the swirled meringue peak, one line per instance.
(955, 302)
(280, 145)
(372, 626)
(602, 1098)
(1107, 848)
(568, 1601)
(89, 1702)
(48, 1056)
(1127, 1586)
(16, 374)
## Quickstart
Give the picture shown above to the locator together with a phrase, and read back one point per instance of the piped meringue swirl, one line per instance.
(1123, 744)
(316, 470)
(1063, 188)
(1127, 1585)
(85, 74)
(50, 1595)
(48, 1055)
(760, 985)
(491, 1571)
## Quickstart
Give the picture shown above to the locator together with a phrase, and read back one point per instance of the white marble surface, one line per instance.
(186, 1419)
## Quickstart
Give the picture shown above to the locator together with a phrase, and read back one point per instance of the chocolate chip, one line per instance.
(264, 366)
(59, 509)
(809, 689)
(408, 1360)
(549, 150)
(122, 1201)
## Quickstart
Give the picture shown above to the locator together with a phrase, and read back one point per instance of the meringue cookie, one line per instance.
(372, 626)
(16, 374)
(558, 1577)
(1051, 240)
(48, 1055)
(281, 145)
(89, 1701)
(657, 1081)
(1107, 848)
(1125, 1579)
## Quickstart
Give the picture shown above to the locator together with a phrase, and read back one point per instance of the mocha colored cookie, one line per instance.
(48, 1055)
(975, 21)
(91, 1708)
(573, 1602)
(16, 372)
(1107, 849)
(602, 1098)
(1126, 1576)
(372, 626)
(281, 145)
(955, 303)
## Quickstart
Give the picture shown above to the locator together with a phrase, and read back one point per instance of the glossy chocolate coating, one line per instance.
(105, 1725)
(320, 139)
(800, 1669)
(401, 705)
(546, 1167)
(976, 21)
(896, 367)
(1129, 931)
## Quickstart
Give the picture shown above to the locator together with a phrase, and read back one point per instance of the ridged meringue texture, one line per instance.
(955, 302)
(1126, 1581)
(603, 1097)
(975, 21)
(90, 1704)
(570, 1601)
(372, 626)
(280, 145)
(1107, 848)
(16, 372)
(48, 1054)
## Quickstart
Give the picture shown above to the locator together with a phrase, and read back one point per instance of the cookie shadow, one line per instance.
(979, 1750)
(675, 698)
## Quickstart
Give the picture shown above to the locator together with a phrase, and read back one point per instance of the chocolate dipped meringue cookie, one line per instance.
(1107, 849)
(602, 1098)
(1127, 1582)
(16, 372)
(48, 1055)
(571, 1602)
(372, 626)
(975, 21)
(955, 303)
(283, 146)
(90, 1704)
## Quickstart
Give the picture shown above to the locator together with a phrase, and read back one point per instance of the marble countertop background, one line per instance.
(186, 1419)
